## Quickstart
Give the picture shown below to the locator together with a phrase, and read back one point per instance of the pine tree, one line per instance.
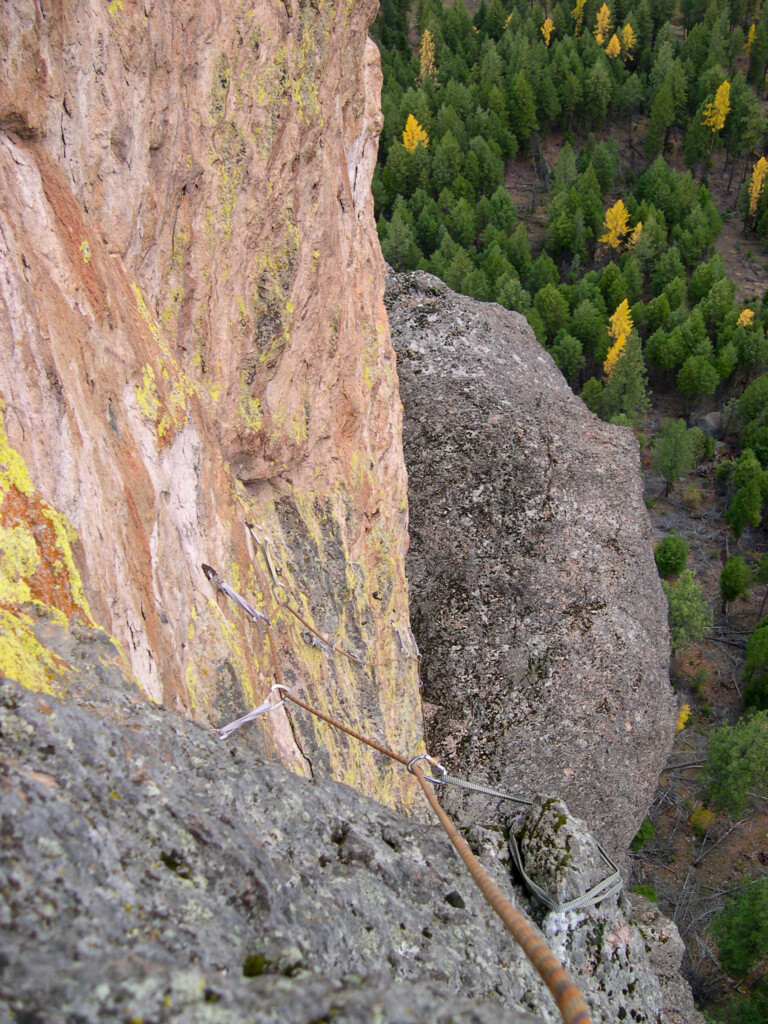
(414, 135)
(735, 580)
(689, 616)
(522, 114)
(674, 454)
(625, 394)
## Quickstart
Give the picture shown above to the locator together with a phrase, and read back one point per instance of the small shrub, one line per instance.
(648, 891)
(671, 555)
(693, 496)
(701, 820)
(682, 718)
(644, 833)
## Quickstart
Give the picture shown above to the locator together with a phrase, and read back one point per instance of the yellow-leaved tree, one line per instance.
(427, 67)
(756, 184)
(414, 135)
(616, 224)
(634, 237)
(628, 41)
(746, 316)
(603, 23)
(750, 39)
(613, 49)
(619, 329)
(578, 15)
(547, 29)
(716, 112)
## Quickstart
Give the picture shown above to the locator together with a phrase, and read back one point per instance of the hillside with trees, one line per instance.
(642, 126)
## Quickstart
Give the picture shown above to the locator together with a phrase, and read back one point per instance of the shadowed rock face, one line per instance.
(535, 597)
(150, 871)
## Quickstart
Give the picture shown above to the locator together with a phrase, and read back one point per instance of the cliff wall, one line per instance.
(193, 336)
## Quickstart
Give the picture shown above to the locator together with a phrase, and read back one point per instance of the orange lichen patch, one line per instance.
(40, 564)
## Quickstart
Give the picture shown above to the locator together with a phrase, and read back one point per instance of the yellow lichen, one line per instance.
(85, 249)
(146, 395)
(24, 658)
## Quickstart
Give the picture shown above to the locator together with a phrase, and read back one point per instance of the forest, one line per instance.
(655, 111)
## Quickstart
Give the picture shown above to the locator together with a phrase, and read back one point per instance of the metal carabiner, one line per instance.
(263, 543)
(435, 764)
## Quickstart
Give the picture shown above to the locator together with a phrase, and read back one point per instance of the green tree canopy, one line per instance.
(737, 764)
(676, 452)
(741, 929)
(671, 554)
(689, 616)
(735, 580)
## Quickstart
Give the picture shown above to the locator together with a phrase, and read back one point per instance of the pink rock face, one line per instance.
(193, 336)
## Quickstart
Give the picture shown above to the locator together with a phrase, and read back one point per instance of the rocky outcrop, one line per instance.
(149, 871)
(192, 335)
(535, 598)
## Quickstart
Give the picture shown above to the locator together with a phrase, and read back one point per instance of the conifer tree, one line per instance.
(625, 395)
(750, 39)
(578, 16)
(427, 67)
(616, 219)
(756, 184)
(603, 23)
(613, 49)
(619, 329)
(414, 135)
(547, 29)
(628, 41)
(716, 112)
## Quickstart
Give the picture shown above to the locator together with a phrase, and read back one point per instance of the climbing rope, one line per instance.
(564, 990)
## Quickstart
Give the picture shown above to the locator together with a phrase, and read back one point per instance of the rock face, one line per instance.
(535, 598)
(192, 335)
(149, 871)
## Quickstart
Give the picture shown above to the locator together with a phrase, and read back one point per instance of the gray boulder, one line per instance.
(535, 597)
